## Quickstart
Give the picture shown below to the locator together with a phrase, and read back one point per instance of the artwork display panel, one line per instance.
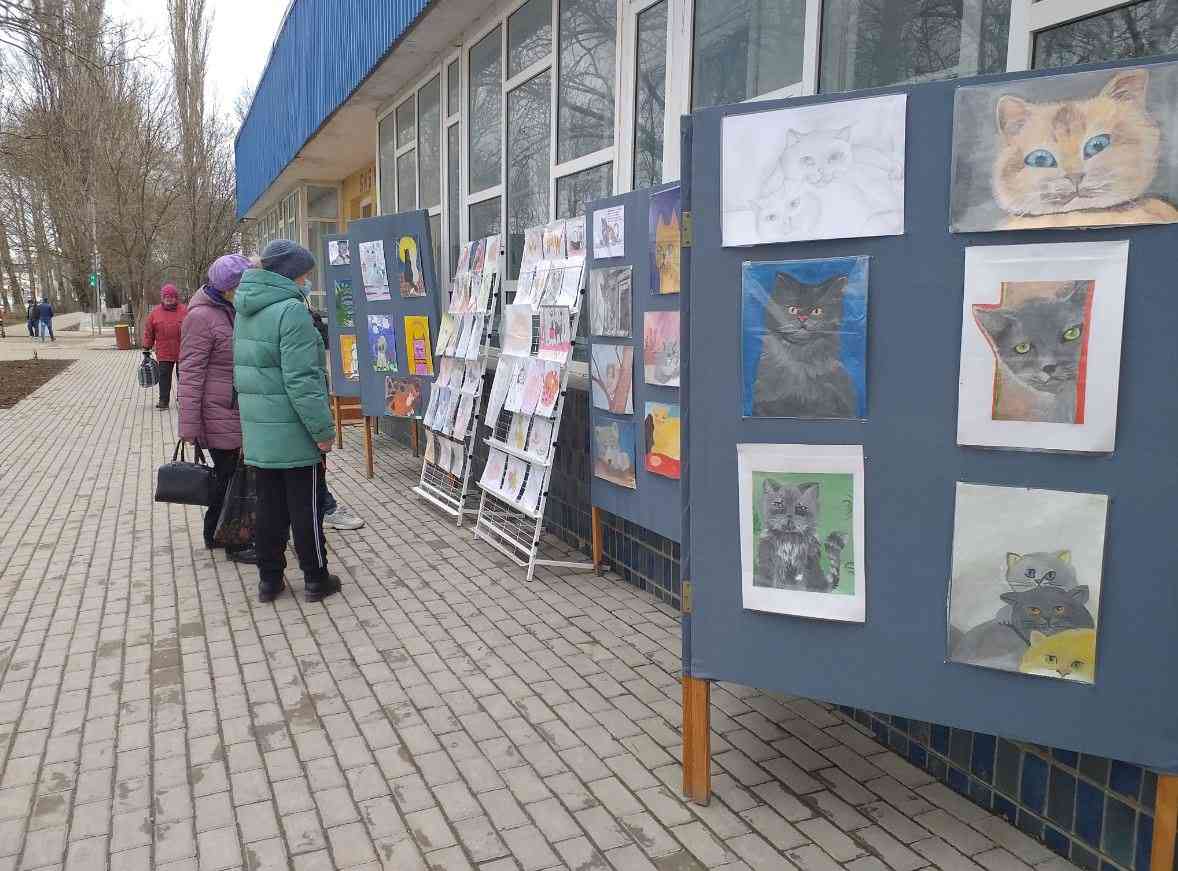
(666, 240)
(662, 447)
(1087, 149)
(402, 397)
(611, 378)
(609, 232)
(382, 339)
(802, 530)
(611, 308)
(826, 171)
(1041, 346)
(660, 348)
(613, 452)
(411, 281)
(1024, 594)
(804, 338)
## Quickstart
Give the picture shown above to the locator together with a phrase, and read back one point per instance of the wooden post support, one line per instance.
(598, 544)
(337, 413)
(697, 740)
(368, 472)
(1165, 823)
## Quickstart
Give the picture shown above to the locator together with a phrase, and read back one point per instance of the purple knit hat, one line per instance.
(225, 273)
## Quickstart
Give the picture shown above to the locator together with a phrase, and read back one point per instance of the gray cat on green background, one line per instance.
(789, 555)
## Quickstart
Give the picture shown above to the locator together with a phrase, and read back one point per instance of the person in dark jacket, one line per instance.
(162, 333)
(208, 403)
(32, 317)
(45, 318)
(279, 367)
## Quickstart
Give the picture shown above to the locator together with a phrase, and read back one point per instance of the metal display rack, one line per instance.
(510, 521)
(440, 485)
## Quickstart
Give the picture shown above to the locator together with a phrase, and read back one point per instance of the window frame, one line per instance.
(1029, 18)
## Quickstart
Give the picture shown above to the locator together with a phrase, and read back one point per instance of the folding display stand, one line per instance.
(511, 512)
(445, 471)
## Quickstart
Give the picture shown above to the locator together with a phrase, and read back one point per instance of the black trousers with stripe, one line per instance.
(288, 500)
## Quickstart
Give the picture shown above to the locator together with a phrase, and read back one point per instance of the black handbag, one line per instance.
(183, 483)
(148, 372)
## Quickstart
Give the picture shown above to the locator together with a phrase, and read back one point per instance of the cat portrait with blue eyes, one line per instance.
(1089, 149)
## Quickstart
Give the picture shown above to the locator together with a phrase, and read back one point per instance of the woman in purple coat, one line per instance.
(208, 402)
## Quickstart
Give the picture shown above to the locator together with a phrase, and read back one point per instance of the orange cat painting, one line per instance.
(1081, 150)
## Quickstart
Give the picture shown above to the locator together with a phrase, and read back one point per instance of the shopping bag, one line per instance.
(235, 527)
(148, 372)
(184, 483)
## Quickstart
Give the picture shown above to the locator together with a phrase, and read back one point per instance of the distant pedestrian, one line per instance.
(208, 403)
(31, 317)
(279, 367)
(45, 319)
(162, 333)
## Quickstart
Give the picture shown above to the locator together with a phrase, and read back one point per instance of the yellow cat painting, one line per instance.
(1070, 655)
(1080, 163)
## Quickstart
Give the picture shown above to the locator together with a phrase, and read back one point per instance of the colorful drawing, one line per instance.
(662, 439)
(513, 478)
(338, 253)
(417, 350)
(609, 232)
(556, 332)
(478, 255)
(660, 348)
(550, 389)
(1024, 594)
(804, 351)
(533, 386)
(613, 452)
(801, 529)
(826, 171)
(666, 240)
(345, 313)
(349, 359)
(1041, 346)
(611, 309)
(554, 241)
(412, 280)
(382, 339)
(611, 377)
(1090, 149)
(402, 397)
(374, 271)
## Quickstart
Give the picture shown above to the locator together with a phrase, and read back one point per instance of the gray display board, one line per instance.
(895, 662)
(337, 281)
(390, 229)
(654, 504)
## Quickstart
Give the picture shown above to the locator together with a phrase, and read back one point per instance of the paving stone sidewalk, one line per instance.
(440, 713)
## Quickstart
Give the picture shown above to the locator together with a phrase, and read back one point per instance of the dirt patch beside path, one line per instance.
(19, 378)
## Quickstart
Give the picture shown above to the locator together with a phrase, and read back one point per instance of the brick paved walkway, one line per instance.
(439, 714)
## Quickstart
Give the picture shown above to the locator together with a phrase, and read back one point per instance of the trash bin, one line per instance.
(122, 337)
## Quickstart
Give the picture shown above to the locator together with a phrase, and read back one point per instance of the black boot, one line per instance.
(317, 591)
(246, 555)
(268, 592)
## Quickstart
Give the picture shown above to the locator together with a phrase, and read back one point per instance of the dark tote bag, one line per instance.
(235, 528)
(148, 372)
(183, 483)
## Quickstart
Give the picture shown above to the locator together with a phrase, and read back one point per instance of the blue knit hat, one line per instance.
(287, 258)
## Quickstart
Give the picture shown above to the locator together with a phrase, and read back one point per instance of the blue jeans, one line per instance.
(47, 327)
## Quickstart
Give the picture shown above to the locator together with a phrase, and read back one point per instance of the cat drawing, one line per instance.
(662, 433)
(789, 555)
(609, 451)
(666, 254)
(786, 214)
(609, 234)
(382, 353)
(800, 372)
(1001, 642)
(1080, 163)
(1039, 344)
(1027, 571)
(1070, 655)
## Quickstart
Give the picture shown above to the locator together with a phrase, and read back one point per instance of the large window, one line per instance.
(387, 158)
(429, 143)
(484, 113)
(529, 131)
(484, 219)
(407, 181)
(585, 90)
(529, 35)
(747, 48)
(1139, 30)
(453, 194)
(870, 43)
(574, 191)
(650, 95)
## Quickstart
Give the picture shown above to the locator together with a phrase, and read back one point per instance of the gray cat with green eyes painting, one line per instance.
(1039, 346)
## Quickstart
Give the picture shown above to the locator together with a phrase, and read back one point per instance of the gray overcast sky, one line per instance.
(241, 36)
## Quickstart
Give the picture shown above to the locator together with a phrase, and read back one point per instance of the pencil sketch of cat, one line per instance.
(1039, 345)
(789, 553)
(827, 183)
(1081, 162)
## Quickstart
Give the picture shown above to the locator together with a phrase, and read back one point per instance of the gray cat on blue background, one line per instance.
(800, 372)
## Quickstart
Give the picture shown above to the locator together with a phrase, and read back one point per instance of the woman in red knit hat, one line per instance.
(162, 333)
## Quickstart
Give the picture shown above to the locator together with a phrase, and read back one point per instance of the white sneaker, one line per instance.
(341, 519)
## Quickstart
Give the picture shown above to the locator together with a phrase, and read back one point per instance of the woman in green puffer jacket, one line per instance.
(278, 371)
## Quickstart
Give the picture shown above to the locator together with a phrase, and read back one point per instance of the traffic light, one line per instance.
(94, 279)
